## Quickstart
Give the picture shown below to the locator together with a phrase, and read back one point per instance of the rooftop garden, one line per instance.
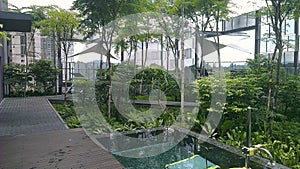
(131, 96)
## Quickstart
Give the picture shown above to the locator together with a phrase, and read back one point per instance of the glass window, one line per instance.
(23, 50)
(188, 53)
(22, 40)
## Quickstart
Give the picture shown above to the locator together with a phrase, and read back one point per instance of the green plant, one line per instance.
(68, 114)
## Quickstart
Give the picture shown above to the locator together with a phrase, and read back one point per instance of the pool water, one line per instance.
(177, 153)
(210, 153)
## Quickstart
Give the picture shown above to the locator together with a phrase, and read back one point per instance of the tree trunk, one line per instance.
(161, 51)
(54, 62)
(146, 53)
(109, 90)
(196, 52)
(59, 67)
(182, 63)
(176, 56)
(66, 78)
(218, 43)
(134, 56)
(270, 98)
(142, 54)
(168, 56)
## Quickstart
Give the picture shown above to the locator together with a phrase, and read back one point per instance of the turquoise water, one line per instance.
(175, 154)
(181, 151)
(194, 162)
(210, 154)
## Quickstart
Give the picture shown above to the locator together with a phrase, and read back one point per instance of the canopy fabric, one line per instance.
(98, 48)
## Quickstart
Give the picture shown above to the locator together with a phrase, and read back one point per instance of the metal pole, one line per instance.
(248, 137)
(257, 33)
(296, 53)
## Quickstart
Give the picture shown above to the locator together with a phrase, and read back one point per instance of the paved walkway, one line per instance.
(28, 115)
(33, 136)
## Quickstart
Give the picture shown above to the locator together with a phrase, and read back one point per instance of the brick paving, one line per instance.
(33, 136)
(28, 115)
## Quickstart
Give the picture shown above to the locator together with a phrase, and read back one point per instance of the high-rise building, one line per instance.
(25, 48)
(47, 48)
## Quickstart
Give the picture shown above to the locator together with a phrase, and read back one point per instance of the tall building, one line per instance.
(47, 51)
(25, 48)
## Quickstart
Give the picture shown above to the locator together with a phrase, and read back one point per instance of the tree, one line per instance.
(99, 13)
(278, 11)
(38, 14)
(182, 61)
(43, 74)
(63, 24)
(3, 35)
(217, 10)
(15, 78)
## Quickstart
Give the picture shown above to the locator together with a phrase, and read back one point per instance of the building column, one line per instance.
(257, 33)
(296, 53)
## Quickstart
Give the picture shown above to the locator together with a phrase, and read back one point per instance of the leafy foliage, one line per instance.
(43, 74)
(36, 80)
(249, 89)
(154, 78)
(3, 35)
(68, 114)
(15, 77)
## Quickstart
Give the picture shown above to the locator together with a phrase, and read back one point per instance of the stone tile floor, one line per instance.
(32, 135)
(28, 115)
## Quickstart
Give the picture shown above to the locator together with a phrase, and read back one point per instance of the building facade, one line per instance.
(24, 48)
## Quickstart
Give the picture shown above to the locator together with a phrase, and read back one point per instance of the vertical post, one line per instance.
(122, 54)
(60, 75)
(248, 137)
(296, 53)
(257, 33)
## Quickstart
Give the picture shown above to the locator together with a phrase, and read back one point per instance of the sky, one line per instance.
(24, 3)
(241, 6)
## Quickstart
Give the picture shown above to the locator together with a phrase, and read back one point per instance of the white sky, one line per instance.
(24, 3)
(241, 6)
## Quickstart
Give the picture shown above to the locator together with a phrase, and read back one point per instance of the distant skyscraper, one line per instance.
(22, 43)
(47, 48)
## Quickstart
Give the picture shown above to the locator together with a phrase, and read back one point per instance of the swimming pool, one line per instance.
(211, 152)
(177, 153)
